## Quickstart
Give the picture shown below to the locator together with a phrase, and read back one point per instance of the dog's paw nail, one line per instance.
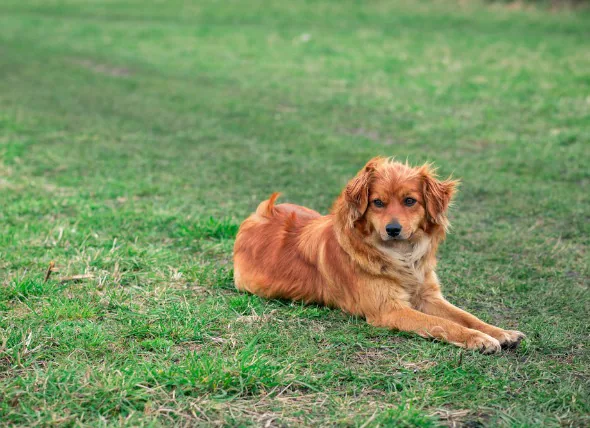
(485, 344)
(511, 338)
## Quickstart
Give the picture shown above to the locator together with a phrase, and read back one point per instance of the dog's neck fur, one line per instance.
(405, 251)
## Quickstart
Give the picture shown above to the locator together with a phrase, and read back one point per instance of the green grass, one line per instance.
(135, 136)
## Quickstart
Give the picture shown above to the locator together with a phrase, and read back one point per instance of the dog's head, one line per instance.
(396, 201)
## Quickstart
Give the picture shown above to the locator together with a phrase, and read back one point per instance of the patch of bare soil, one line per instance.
(106, 69)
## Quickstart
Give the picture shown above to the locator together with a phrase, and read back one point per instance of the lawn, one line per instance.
(135, 136)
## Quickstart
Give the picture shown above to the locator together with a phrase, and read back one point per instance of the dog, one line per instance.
(373, 256)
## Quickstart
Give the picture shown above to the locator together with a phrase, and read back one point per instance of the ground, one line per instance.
(135, 136)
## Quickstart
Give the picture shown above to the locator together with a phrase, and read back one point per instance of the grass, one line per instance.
(135, 136)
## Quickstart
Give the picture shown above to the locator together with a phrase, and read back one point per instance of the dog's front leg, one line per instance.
(408, 319)
(430, 301)
(438, 306)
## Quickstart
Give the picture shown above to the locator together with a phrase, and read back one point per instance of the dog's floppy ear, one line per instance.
(356, 193)
(437, 195)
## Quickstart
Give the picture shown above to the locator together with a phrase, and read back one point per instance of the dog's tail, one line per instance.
(267, 208)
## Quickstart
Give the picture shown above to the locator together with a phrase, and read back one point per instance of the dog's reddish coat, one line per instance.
(347, 260)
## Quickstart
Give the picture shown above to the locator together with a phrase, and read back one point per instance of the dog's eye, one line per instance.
(408, 202)
(378, 203)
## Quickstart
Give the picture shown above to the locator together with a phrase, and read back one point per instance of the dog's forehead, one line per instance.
(396, 177)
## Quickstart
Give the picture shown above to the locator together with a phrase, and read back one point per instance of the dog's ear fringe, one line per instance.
(437, 194)
(356, 193)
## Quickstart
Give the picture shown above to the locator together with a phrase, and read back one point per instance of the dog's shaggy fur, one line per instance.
(373, 256)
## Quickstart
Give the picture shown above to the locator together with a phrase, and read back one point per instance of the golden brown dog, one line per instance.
(373, 256)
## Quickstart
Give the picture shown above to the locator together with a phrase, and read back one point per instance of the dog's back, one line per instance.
(272, 254)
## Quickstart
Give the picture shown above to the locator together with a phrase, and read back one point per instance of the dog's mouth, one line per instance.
(387, 238)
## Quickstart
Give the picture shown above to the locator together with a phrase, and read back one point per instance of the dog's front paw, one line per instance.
(482, 342)
(508, 338)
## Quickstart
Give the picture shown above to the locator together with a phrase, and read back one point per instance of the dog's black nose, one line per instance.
(393, 229)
